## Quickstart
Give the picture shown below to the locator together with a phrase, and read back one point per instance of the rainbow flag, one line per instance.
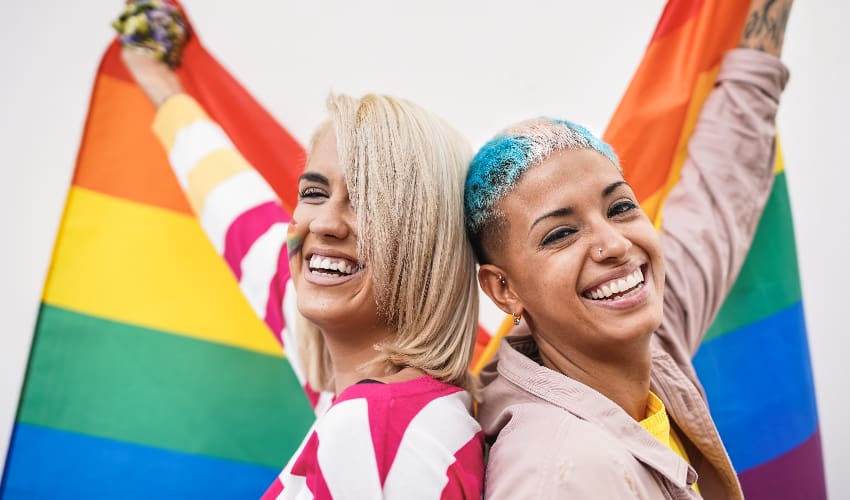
(754, 361)
(149, 375)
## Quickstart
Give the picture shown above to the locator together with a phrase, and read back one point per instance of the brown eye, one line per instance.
(621, 207)
(312, 193)
(557, 235)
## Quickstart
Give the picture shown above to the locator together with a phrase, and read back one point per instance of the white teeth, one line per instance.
(319, 263)
(629, 283)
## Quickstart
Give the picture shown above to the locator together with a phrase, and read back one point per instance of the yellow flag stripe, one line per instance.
(652, 205)
(142, 265)
(493, 345)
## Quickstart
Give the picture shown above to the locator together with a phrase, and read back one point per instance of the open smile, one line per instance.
(325, 269)
(622, 291)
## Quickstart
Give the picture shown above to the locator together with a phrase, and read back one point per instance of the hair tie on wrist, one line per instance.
(156, 27)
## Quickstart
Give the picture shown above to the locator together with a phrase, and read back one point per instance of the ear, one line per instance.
(497, 285)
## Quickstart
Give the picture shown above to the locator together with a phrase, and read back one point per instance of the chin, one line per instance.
(319, 310)
(646, 323)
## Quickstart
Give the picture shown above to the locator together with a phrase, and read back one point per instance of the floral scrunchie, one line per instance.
(156, 27)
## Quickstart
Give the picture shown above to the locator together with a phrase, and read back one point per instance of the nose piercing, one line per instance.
(600, 251)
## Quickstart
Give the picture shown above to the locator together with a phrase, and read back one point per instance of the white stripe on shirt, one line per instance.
(192, 144)
(429, 444)
(260, 265)
(295, 487)
(288, 336)
(346, 454)
(230, 199)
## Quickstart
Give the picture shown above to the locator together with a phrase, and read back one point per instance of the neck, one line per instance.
(622, 377)
(350, 354)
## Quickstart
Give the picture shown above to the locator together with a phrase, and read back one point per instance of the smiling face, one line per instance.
(580, 259)
(333, 287)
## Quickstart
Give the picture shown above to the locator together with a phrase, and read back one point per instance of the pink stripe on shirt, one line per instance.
(274, 306)
(246, 229)
(443, 457)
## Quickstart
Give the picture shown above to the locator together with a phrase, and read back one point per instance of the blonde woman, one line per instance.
(385, 293)
(599, 398)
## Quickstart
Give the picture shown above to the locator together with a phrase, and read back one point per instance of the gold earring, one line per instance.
(516, 318)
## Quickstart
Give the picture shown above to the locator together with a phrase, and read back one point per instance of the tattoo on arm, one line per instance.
(765, 27)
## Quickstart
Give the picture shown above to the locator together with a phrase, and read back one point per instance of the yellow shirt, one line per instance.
(658, 424)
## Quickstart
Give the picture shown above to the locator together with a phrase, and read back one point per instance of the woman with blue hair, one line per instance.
(599, 399)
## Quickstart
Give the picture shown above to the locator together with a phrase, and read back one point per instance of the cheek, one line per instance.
(652, 246)
(296, 231)
(300, 214)
(350, 218)
(553, 279)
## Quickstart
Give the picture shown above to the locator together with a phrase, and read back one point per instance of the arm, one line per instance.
(765, 27)
(238, 210)
(711, 215)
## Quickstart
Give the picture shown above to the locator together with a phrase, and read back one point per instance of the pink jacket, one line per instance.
(558, 438)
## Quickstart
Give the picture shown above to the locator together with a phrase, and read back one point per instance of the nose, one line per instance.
(610, 243)
(333, 220)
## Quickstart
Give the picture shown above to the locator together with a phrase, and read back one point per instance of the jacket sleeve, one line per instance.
(710, 216)
(239, 212)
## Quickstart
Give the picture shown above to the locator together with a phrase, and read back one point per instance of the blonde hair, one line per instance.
(405, 169)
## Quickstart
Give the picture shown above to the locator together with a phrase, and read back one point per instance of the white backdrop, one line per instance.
(480, 65)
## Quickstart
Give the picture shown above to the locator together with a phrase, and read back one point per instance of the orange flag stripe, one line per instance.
(143, 176)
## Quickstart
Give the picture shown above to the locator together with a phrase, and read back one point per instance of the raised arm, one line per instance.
(710, 217)
(238, 210)
(765, 27)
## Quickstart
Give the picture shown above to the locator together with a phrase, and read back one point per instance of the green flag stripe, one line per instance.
(769, 281)
(123, 382)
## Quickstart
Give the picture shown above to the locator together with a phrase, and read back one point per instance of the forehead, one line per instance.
(323, 157)
(573, 173)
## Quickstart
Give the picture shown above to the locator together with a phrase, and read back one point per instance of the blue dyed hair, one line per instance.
(500, 163)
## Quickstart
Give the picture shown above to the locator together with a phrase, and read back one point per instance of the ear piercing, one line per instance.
(502, 280)
(516, 318)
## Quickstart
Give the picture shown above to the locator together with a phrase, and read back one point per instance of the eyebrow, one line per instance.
(561, 212)
(314, 177)
(613, 187)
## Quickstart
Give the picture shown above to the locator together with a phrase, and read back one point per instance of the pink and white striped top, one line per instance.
(413, 439)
